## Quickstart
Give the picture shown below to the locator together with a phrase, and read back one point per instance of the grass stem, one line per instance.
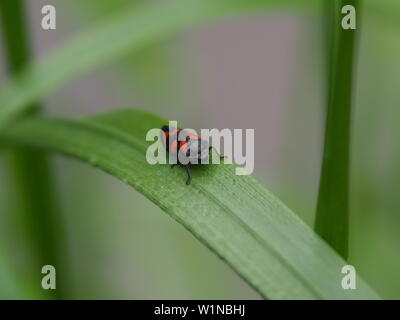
(30, 175)
(333, 209)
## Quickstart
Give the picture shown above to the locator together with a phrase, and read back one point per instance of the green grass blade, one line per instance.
(29, 173)
(333, 209)
(129, 31)
(11, 287)
(14, 34)
(237, 218)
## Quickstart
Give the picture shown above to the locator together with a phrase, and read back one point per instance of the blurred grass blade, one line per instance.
(11, 287)
(243, 223)
(332, 209)
(33, 203)
(130, 30)
(13, 22)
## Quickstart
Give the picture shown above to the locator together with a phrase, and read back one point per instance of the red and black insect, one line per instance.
(193, 147)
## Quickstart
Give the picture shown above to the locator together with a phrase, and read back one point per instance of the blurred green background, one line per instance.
(265, 71)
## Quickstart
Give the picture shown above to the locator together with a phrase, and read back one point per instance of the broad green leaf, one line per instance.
(236, 217)
(332, 218)
(125, 32)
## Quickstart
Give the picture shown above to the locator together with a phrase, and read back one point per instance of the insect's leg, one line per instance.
(221, 155)
(189, 176)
